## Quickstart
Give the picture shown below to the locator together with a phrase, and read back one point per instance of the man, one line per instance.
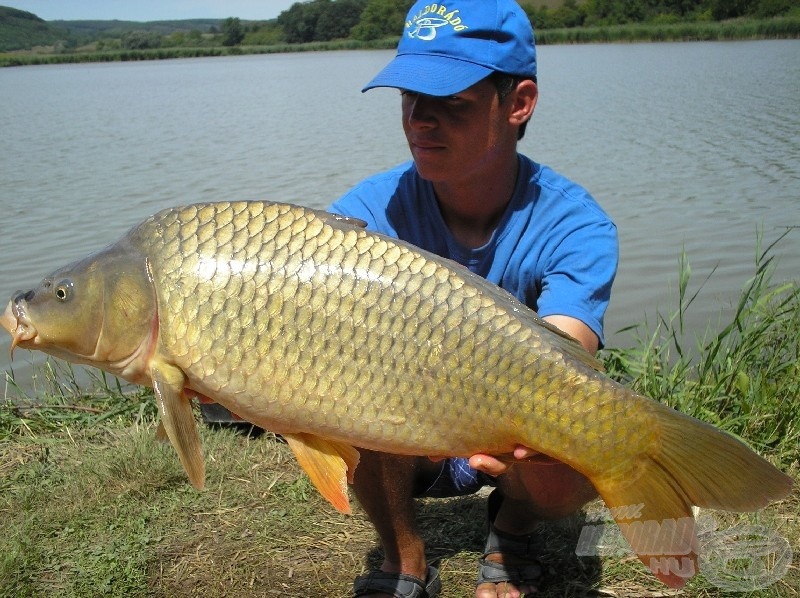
(466, 70)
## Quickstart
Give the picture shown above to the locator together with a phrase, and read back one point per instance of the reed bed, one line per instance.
(31, 58)
(744, 29)
(743, 378)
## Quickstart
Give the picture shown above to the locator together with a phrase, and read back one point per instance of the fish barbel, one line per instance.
(307, 325)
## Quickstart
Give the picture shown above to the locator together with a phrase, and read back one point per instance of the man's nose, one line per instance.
(420, 112)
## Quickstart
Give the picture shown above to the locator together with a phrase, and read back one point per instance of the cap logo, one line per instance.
(449, 46)
(424, 27)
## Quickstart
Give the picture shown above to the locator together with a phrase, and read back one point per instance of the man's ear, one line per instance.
(524, 102)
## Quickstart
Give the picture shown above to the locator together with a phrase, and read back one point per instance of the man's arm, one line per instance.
(577, 330)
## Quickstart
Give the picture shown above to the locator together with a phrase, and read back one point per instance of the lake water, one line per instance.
(691, 146)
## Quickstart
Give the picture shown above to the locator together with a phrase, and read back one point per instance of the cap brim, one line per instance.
(429, 74)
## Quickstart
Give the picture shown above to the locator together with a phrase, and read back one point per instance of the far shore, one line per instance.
(739, 29)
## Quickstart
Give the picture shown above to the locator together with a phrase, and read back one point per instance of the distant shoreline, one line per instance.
(736, 30)
(30, 58)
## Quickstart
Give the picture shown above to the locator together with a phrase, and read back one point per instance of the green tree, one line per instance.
(299, 22)
(336, 19)
(266, 34)
(194, 37)
(140, 40)
(679, 8)
(730, 9)
(568, 14)
(107, 44)
(232, 32)
(774, 8)
(381, 18)
(615, 12)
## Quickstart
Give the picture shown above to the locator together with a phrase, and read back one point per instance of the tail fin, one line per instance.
(693, 464)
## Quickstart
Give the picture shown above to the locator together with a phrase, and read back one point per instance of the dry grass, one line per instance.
(90, 512)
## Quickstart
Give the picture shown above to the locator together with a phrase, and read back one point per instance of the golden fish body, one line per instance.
(308, 326)
(304, 323)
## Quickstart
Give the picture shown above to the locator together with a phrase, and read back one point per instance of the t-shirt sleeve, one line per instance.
(370, 199)
(354, 205)
(577, 276)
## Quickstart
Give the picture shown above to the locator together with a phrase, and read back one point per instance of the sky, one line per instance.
(150, 10)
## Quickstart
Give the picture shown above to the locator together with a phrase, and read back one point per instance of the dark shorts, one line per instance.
(457, 478)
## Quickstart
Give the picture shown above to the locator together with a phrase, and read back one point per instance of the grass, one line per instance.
(91, 504)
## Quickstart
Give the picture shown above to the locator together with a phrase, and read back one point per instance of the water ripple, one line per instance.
(693, 145)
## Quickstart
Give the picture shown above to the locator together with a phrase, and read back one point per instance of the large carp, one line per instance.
(306, 324)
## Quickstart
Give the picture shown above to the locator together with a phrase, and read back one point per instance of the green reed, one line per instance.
(59, 397)
(745, 379)
(29, 59)
(740, 29)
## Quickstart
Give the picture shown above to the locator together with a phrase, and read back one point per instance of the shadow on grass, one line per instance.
(454, 531)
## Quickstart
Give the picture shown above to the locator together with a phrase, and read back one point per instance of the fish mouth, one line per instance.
(19, 326)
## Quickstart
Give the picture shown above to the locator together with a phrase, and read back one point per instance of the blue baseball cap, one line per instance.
(448, 47)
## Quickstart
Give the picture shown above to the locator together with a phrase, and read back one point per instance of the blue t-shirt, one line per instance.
(554, 247)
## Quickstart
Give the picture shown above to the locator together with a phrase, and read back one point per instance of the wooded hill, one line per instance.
(359, 20)
(20, 30)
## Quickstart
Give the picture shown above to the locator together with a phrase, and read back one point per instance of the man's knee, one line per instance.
(554, 490)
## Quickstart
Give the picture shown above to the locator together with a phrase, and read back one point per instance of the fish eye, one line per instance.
(63, 290)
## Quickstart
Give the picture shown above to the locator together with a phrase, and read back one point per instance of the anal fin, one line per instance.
(329, 464)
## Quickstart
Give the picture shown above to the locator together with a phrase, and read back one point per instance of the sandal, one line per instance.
(497, 542)
(399, 585)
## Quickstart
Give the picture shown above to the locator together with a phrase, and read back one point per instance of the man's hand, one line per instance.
(495, 466)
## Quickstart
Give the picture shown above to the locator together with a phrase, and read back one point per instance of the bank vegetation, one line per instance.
(317, 25)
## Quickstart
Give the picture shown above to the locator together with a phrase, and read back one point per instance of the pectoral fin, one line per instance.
(161, 433)
(177, 420)
(329, 464)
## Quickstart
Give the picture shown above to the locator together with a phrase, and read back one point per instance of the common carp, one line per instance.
(306, 324)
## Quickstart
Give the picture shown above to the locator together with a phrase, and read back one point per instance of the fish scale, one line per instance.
(402, 329)
(306, 324)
